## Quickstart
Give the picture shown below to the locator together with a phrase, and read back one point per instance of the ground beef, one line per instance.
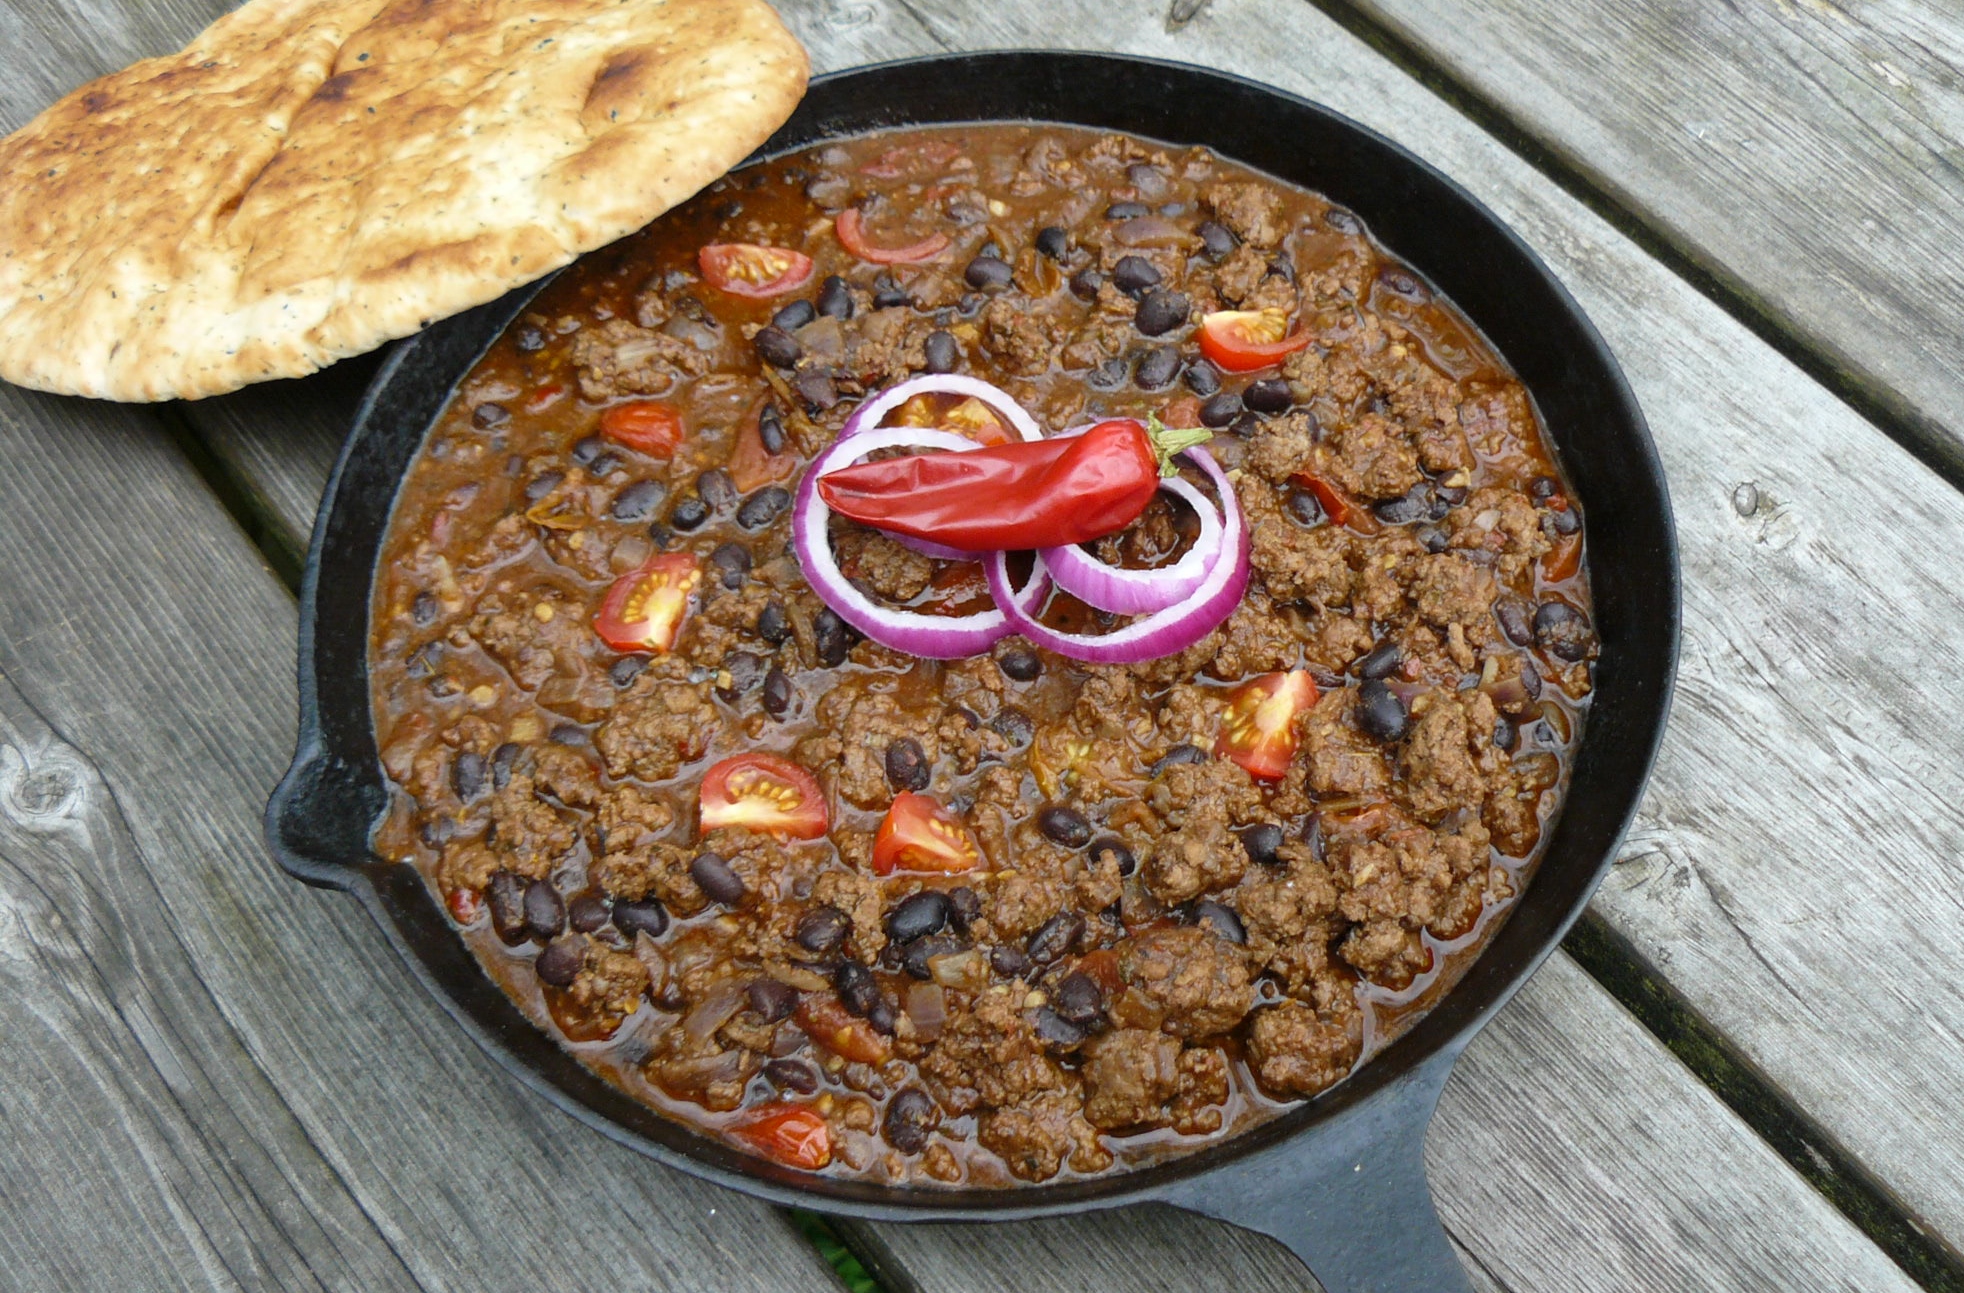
(1336, 757)
(1019, 340)
(1449, 589)
(1038, 1137)
(664, 726)
(892, 571)
(990, 1055)
(1252, 212)
(619, 358)
(1281, 446)
(606, 990)
(1370, 458)
(1449, 761)
(1194, 982)
(1138, 1078)
(1296, 1053)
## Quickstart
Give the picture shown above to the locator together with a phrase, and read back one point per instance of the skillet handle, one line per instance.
(1353, 1204)
(317, 819)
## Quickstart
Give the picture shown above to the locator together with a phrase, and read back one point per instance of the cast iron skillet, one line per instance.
(1340, 1180)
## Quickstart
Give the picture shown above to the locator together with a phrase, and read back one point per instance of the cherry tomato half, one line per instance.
(645, 426)
(1240, 341)
(787, 1133)
(1258, 731)
(920, 835)
(764, 793)
(1340, 507)
(827, 1022)
(747, 269)
(852, 236)
(644, 609)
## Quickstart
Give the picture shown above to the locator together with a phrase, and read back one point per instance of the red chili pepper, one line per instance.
(1031, 494)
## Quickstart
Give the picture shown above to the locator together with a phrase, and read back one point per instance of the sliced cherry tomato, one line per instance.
(465, 906)
(1258, 731)
(920, 835)
(965, 416)
(828, 1024)
(645, 426)
(644, 609)
(747, 269)
(787, 1133)
(751, 465)
(1240, 341)
(764, 793)
(1340, 507)
(912, 159)
(1563, 560)
(852, 236)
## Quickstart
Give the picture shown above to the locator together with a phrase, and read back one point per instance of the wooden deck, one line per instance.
(1745, 1076)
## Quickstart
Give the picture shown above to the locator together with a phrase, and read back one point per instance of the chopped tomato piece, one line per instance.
(747, 269)
(1340, 507)
(1183, 412)
(1241, 341)
(545, 397)
(752, 466)
(465, 906)
(826, 1021)
(645, 426)
(764, 793)
(920, 835)
(1563, 560)
(852, 236)
(1258, 731)
(788, 1133)
(1101, 967)
(644, 609)
(965, 416)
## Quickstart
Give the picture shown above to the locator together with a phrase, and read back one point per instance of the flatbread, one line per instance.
(311, 178)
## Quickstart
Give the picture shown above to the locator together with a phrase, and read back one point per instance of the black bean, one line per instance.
(921, 950)
(1079, 999)
(1184, 752)
(1111, 846)
(1053, 242)
(1055, 937)
(1220, 409)
(777, 347)
(585, 450)
(642, 916)
(794, 316)
(1283, 268)
(744, 668)
(943, 352)
(1414, 504)
(1085, 284)
(1066, 826)
(907, 764)
(817, 390)
(1564, 520)
(909, 1120)
(423, 610)
(772, 1000)
(639, 500)
(835, 298)
(1222, 919)
(1215, 240)
(1262, 841)
(1453, 494)
(542, 484)
(964, 907)
(770, 429)
(1055, 1030)
(529, 339)
(1343, 221)
(1108, 376)
(1157, 368)
(625, 670)
(1020, 663)
(567, 734)
(436, 831)
(1381, 712)
(1014, 726)
(1160, 311)
(561, 962)
(604, 465)
(467, 774)
(545, 910)
(1380, 661)
(1403, 282)
(822, 929)
(1127, 210)
(763, 507)
(487, 417)
(502, 760)
(1515, 619)
(917, 916)
(716, 488)
(688, 513)
(857, 989)
(587, 911)
(1269, 395)
(1134, 274)
(1433, 538)
(1561, 630)
(772, 624)
(792, 1075)
(777, 693)
(505, 895)
(1203, 379)
(1505, 735)
(1543, 488)
(985, 272)
(717, 879)
(1245, 425)
(1313, 836)
(830, 638)
(888, 294)
(1305, 507)
(1009, 962)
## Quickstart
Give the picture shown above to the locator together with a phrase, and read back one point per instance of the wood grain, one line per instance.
(1802, 152)
(218, 1078)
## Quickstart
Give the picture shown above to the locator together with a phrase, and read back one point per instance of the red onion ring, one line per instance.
(933, 637)
(1162, 633)
(867, 416)
(1140, 592)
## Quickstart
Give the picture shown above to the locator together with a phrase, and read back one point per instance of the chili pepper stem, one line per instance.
(1170, 442)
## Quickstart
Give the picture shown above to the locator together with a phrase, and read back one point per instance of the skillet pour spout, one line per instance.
(1340, 1178)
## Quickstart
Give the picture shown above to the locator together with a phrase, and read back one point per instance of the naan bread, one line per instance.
(311, 178)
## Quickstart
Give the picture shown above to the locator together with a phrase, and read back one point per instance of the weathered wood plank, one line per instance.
(220, 1076)
(1800, 152)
